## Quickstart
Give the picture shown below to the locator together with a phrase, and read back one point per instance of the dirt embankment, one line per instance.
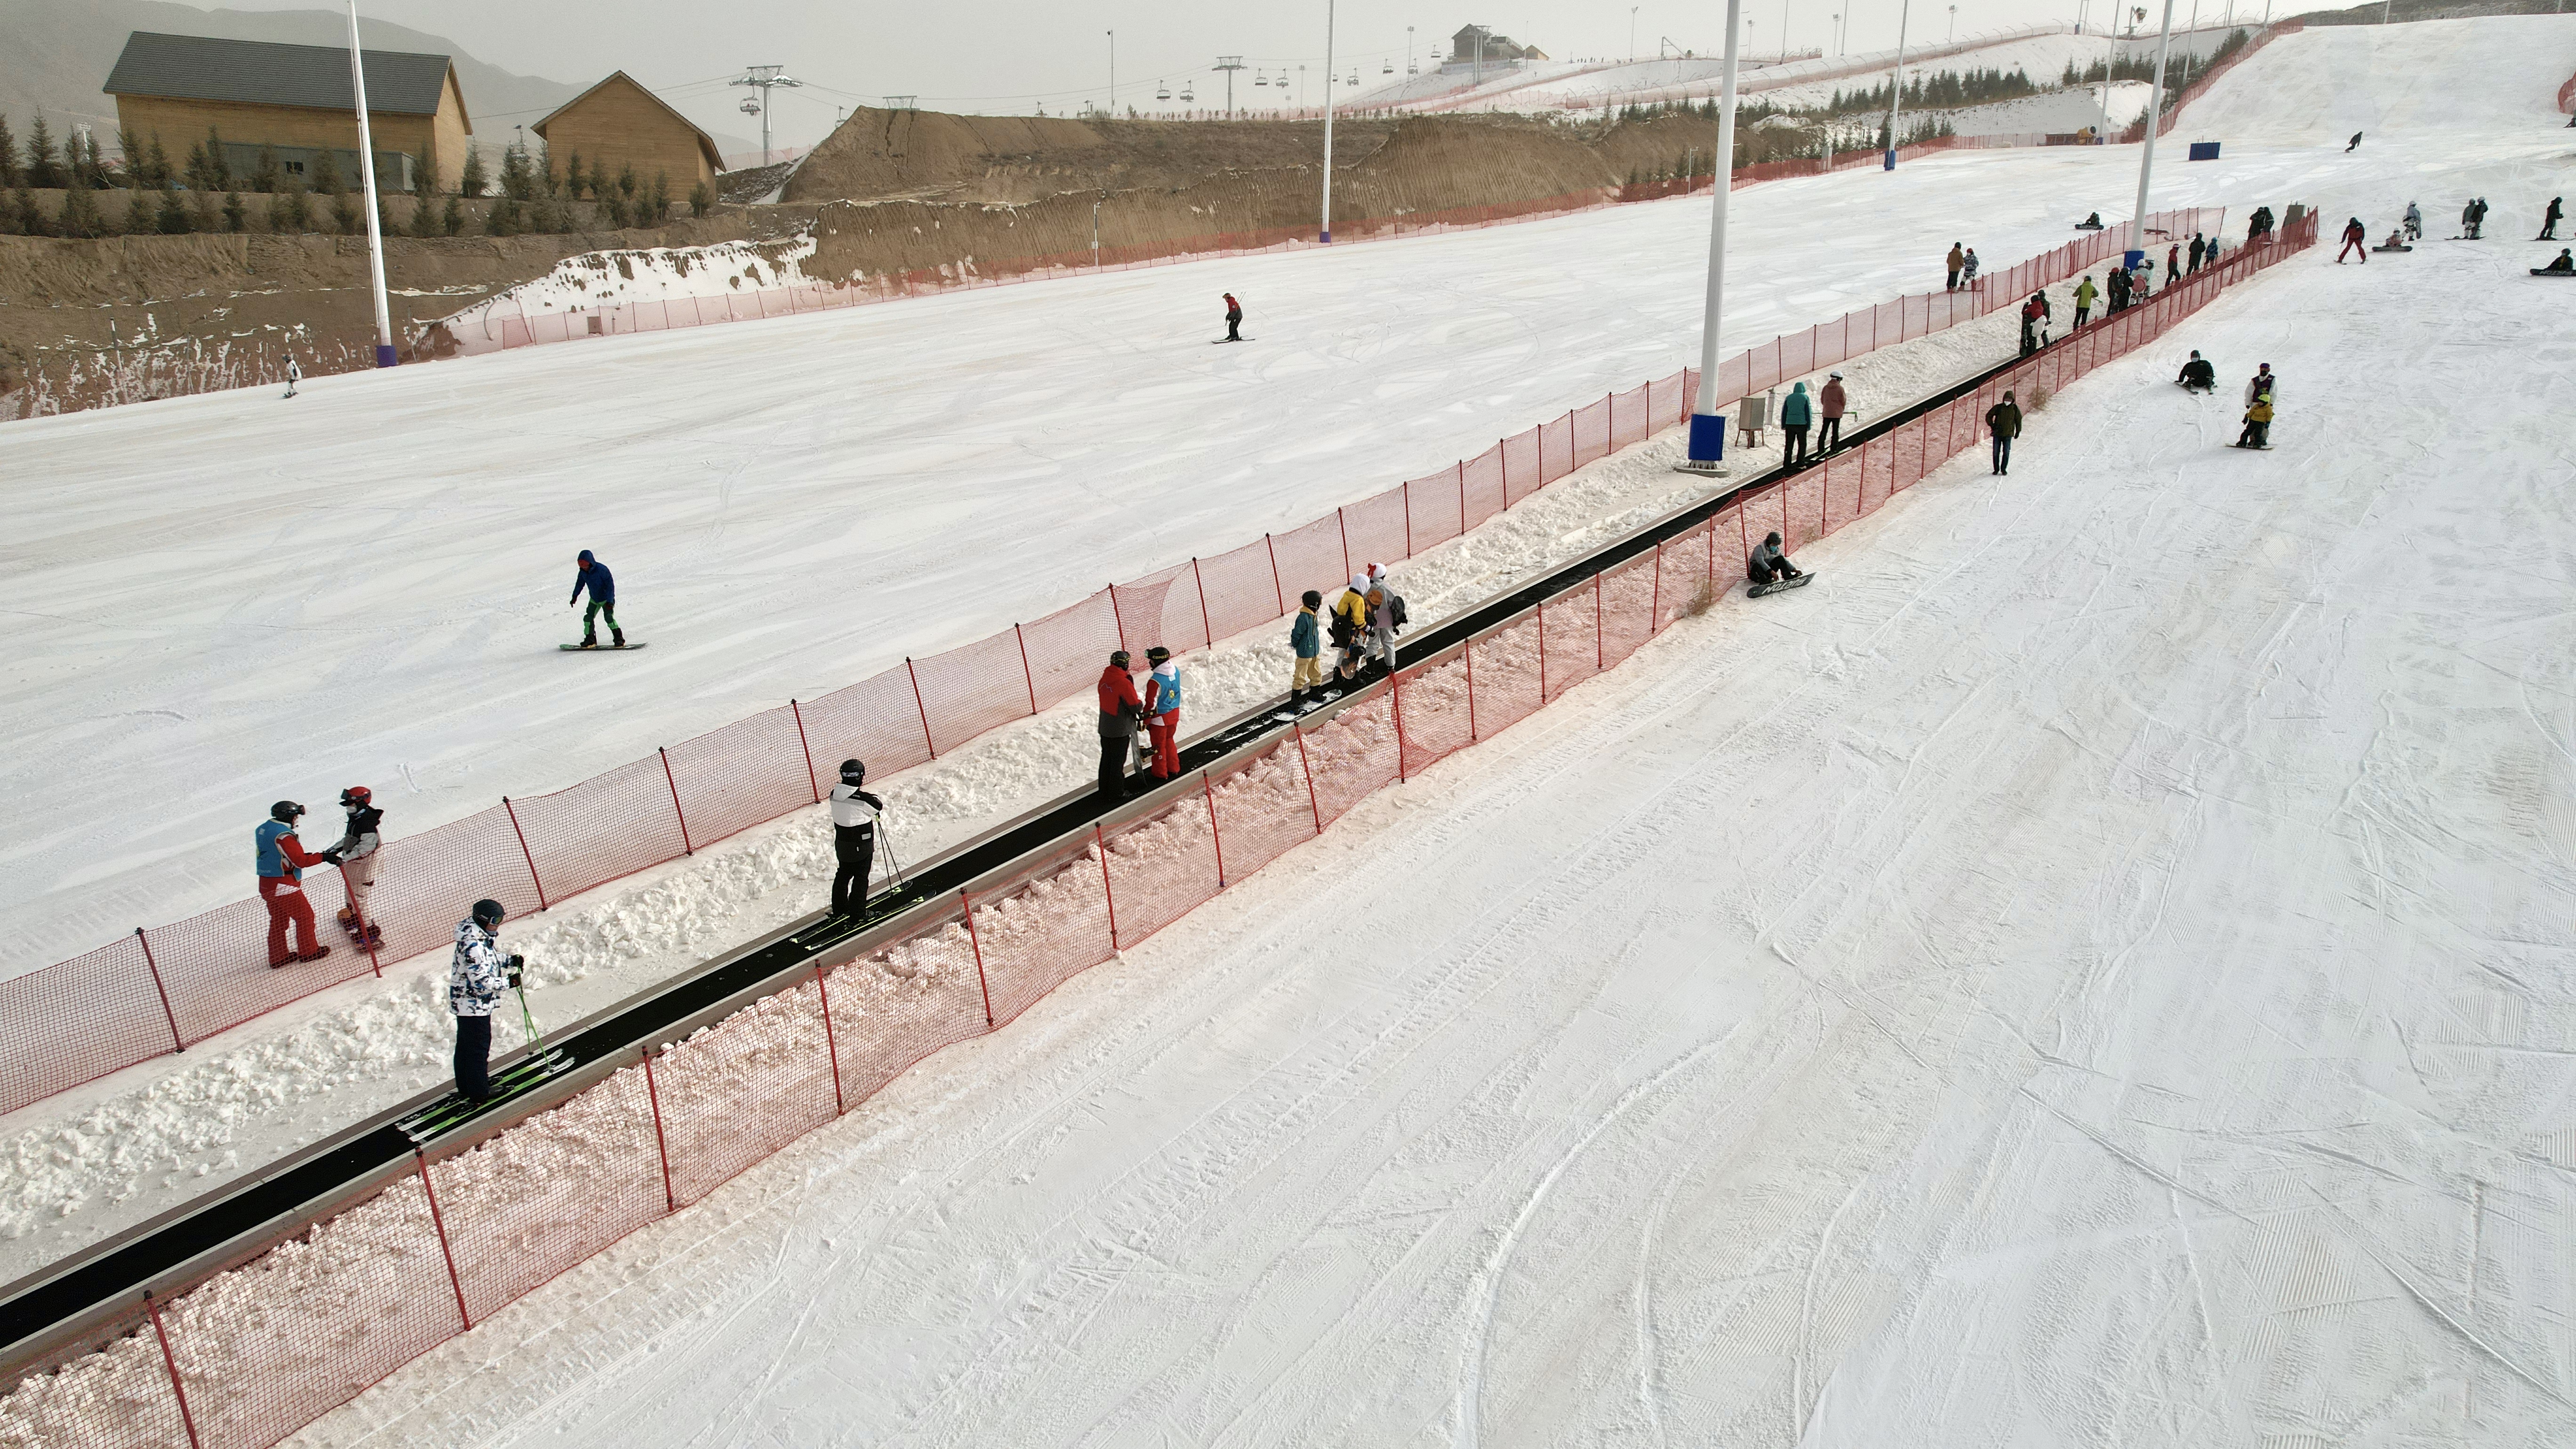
(889, 192)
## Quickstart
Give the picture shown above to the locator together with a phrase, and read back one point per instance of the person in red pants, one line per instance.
(2355, 240)
(282, 859)
(1163, 713)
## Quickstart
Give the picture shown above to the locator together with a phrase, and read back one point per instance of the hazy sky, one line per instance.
(1011, 55)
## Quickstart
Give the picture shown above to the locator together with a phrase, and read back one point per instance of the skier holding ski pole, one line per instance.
(475, 977)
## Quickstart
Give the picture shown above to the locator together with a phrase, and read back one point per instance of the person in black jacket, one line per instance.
(2549, 222)
(593, 575)
(2197, 375)
(355, 854)
(2003, 420)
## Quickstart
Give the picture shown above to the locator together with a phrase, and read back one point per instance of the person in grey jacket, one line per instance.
(476, 977)
(355, 853)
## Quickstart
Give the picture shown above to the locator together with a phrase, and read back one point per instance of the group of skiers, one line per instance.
(281, 860)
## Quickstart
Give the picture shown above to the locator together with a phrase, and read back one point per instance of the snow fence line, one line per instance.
(165, 988)
(305, 1321)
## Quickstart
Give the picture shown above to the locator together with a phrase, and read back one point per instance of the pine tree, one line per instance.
(130, 146)
(30, 221)
(156, 166)
(138, 212)
(454, 220)
(573, 179)
(201, 212)
(80, 216)
(473, 181)
(615, 206)
(658, 200)
(264, 171)
(43, 172)
(701, 200)
(198, 179)
(173, 219)
(219, 173)
(287, 209)
(518, 183)
(322, 177)
(235, 219)
(626, 182)
(424, 203)
(11, 174)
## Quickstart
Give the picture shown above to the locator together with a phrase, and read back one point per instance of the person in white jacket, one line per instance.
(476, 977)
(854, 838)
(355, 853)
(294, 374)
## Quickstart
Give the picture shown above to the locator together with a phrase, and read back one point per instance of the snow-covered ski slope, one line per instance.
(2393, 83)
(225, 600)
(2093, 969)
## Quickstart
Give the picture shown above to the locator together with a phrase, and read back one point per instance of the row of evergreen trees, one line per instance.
(175, 200)
(2140, 65)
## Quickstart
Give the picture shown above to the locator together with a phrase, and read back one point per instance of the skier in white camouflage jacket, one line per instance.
(476, 977)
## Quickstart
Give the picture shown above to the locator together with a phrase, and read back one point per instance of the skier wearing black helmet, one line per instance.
(854, 838)
(476, 978)
(282, 861)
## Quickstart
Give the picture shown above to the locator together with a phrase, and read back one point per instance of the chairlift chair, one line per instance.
(1259, 79)
(1389, 69)
(1162, 92)
(1187, 95)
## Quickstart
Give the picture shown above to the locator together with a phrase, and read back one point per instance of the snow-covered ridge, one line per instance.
(592, 281)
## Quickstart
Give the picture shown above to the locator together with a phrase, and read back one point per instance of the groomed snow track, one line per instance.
(88, 1301)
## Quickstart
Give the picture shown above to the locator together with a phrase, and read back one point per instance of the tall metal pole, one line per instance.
(1113, 74)
(1326, 234)
(367, 170)
(1707, 427)
(2147, 159)
(1896, 86)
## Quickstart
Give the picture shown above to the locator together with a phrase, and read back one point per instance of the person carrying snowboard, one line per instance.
(1797, 414)
(1120, 709)
(282, 861)
(294, 374)
(1163, 713)
(361, 836)
(590, 573)
(2003, 421)
(1835, 403)
(1768, 565)
(1233, 319)
(476, 976)
(1306, 640)
(2085, 293)
(2197, 375)
(2549, 221)
(2355, 239)
(854, 838)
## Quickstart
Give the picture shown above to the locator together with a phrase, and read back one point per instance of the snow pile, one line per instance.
(593, 281)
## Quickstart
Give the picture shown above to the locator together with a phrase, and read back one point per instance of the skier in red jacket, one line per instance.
(1120, 708)
(2355, 239)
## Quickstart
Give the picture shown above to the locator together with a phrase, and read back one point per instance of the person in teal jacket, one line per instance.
(1797, 414)
(1306, 637)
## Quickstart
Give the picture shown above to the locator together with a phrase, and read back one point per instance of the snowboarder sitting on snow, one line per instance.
(2258, 423)
(476, 977)
(593, 575)
(1768, 565)
(1163, 714)
(282, 859)
(355, 853)
(2396, 241)
(2565, 262)
(1120, 709)
(1797, 414)
(1233, 319)
(854, 838)
(1306, 638)
(2198, 375)
(2091, 222)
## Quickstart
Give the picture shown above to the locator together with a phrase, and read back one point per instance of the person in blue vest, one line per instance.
(282, 859)
(1163, 713)
(1797, 414)
(594, 576)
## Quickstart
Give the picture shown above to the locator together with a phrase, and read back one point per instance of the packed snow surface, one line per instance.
(2093, 968)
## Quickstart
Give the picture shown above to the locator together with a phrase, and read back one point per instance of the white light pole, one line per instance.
(1707, 427)
(1954, 26)
(367, 170)
(1326, 234)
(1112, 108)
(1896, 85)
(1784, 32)
(2147, 159)
(1632, 35)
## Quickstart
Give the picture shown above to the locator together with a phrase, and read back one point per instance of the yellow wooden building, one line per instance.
(617, 123)
(296, 100)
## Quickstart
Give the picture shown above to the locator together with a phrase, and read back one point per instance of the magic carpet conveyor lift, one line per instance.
(97, 1292)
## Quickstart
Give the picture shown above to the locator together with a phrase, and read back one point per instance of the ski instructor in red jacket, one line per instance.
(2355, 239)
(282, 863)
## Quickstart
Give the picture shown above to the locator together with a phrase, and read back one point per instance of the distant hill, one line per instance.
(2398, 12)
(58, 54)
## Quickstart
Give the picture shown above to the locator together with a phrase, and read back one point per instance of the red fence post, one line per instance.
(661, 1144)
(1405, 491)
(1308, 766)
(1100, 843)
(969, 903)
(1276, 587)
(830, 1042)
(439, 1224)
(1214, 833)
(1207, 631)
(1462, 498)
(1655, 601)
(1344, 524)
(1025, 672)
(186, 1420)
(667, 778)
(533, 878)
(1470, 652)
(924, 710)
(178, 1043)
(1542, 651)
(810, 787)
(1114, 617)
(1395, 692)
(1597, 608)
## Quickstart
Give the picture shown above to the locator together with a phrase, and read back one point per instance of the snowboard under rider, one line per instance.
(854, 838)
(1768, 564)
(590, 573)
(476, 976)
(2565, 262)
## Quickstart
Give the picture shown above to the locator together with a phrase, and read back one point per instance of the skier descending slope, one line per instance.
(854, 838)
(593, 575)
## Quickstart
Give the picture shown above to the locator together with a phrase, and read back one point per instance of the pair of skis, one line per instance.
(833, 929)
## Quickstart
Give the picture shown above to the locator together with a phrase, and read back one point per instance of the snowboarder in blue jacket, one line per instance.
(593, 575)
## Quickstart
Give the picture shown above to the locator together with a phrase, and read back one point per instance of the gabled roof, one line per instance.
(706, 143)
(258, 72)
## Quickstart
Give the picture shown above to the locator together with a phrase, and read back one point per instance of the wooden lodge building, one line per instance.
(617, 123)
(297, 100)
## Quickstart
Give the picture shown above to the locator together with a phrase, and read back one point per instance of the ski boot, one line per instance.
(589, 641)
(616, 637)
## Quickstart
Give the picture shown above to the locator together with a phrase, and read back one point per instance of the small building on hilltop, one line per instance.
(296, 100)
(617, 124)
(1498, 49)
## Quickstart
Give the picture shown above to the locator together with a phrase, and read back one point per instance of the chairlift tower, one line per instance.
(765, 78)
(1229, 64)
